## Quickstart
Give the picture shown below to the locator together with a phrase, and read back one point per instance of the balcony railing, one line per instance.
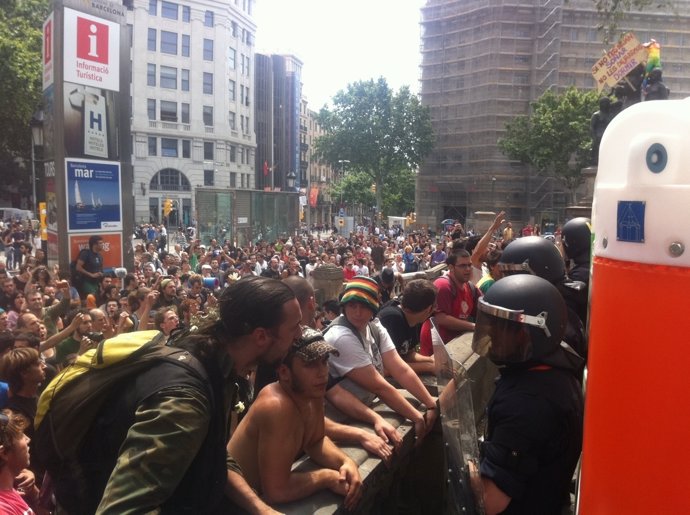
(171, 126)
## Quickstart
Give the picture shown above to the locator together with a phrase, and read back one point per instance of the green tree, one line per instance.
(357, 188)
(378, 131)
(613, 13)
(555, 138)
(21, 23)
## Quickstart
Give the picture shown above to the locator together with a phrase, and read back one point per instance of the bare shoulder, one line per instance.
(272, 404)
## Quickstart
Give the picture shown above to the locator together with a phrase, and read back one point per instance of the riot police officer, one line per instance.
(538, 256)
(534, 431)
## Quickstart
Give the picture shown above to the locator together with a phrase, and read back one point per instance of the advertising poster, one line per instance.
(51, 197)
(94, 202)
(91, 121)
(112, 248)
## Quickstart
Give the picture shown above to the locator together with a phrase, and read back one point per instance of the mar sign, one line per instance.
(93, 196)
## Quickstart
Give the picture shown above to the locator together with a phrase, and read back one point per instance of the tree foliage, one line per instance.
(21, 23)
(397, 196)
(555, 138)
(613, 13)
(379, 132)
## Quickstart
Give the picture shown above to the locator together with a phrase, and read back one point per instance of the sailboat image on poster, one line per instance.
(78, 203)
(96, 204)
(95, 195)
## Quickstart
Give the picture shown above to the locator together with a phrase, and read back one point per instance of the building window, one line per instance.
(246, 97)
(186, 148)
(248, 66)
(242, 180)
(168, 77)
(151, 75)
(151, 108)
(246, 126)
(153, 144)
(233, 153)
(168, 147)
(233, 29)
(208, 49)
(208, 83)
(185, 45)
(233, 180)
(241, 155)
(208, 19)
(208, 116)
(208, 177)
(169, 10)
(232, 54)
(152, 40)
(208, 150)
(153, 7)
(184, 112)
(242, 123)
(186, 13)
(184, 80)
(242, 64)
(231, 88)
(168, 42)
(168, 111)
(231, 120)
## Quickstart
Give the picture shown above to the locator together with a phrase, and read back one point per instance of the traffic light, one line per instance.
(167, 207)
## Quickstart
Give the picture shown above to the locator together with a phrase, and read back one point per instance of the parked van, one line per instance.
(13, 214)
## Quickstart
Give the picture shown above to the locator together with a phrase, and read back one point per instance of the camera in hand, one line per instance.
(95, 337)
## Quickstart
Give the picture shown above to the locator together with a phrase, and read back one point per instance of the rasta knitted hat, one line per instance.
(362, 289)
(311, 346)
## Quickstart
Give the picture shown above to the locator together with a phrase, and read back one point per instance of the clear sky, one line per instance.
(343, 41)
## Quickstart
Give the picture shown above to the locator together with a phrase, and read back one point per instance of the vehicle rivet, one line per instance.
(676, 249)
(605, 242)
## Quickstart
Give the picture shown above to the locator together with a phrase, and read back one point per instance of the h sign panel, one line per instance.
(91, 51)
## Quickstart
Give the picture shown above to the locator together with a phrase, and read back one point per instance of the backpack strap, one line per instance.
(343, 321)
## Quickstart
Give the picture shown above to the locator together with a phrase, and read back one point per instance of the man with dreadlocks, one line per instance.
(161, 441)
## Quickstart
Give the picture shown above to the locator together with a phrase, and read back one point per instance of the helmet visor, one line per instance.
(503, 334)
(516, 268)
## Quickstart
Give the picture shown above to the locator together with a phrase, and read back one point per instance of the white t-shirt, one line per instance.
(354, 355)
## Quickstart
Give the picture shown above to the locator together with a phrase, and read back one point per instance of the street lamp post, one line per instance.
(290, 180)
(36, 125)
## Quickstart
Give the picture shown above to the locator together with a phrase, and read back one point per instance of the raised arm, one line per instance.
(483, 244)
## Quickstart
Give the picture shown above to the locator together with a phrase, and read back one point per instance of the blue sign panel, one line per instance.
(94, 202)
(630, 221)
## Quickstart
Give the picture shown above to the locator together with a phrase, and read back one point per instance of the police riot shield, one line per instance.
(459, 432)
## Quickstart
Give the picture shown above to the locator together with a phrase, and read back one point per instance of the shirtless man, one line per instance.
(288, 418)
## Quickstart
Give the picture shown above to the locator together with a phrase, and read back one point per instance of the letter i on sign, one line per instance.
(92, 40)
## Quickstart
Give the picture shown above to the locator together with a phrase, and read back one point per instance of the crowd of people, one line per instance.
(268, 356)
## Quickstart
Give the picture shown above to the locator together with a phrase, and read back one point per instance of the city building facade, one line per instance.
(192, 95)
(320, 207)
(483, 63)
(278, 80)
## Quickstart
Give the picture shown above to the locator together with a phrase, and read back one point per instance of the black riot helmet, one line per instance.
(577, 239)
(520, 320)
(533, 255)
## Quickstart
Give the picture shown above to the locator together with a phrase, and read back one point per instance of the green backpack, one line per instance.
(72, 400)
